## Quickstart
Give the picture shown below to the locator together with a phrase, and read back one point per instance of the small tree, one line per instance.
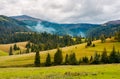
(96, 59)
(58, 58)
(66, 59)
(37, 59)
(104, 57)
(113, 56)
(10, 51)
(102, 37)
(85, 60)
(28, 45)
(27, 50)
(72, 59)
(48, 60)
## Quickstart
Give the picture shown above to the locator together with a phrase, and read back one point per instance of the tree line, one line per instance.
(70, 59)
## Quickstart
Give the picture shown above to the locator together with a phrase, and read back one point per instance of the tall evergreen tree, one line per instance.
(102, 37)
(66, 59)
(72, 59)
(104, 57)
(113, 56)
(37, 59)
(96, 59)
(48, 60)
(10, 51)
(58, 58)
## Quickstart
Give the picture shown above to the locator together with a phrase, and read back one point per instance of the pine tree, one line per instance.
(58, 58)
(104, 57)
(66, 59)
(37, 59)
(48, 60)
(96, 59)
(72, 59)
(85, 60)
(102, 38)
(113, 56)
(28, 45)
(10, 51)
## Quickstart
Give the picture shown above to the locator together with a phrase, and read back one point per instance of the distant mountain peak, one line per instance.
(25, 17)
(114, 22)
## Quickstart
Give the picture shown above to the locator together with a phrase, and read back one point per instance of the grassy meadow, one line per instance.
(110, 71)
(80, 51)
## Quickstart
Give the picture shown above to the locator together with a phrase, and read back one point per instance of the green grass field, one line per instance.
(63, 72)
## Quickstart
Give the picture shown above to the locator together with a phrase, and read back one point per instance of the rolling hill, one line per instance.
(10, 25)
(80, 51)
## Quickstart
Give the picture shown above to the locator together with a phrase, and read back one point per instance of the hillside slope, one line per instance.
(80, 51)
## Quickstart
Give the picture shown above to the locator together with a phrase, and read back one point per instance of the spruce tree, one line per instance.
(48, 60)
(85, 60)
(72, 59)
(96, 59)
(113, 56)
(37, 59)
(102, 38)
(104, 57)
(66, 59)
(10, 51)
(58, 58)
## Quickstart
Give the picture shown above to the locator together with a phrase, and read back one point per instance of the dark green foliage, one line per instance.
(28, 45)
(96, 59)
(66, 59)
(15, 47)
(10, 51)
(93, 45)
(72, 59)
(58, 58)
(103, 39)
(85, 60)
(89, 42)
(27, 50)
(117, 35)
(104, 57)
(48, 60)
(78, 40)
(37, 59)
(113, 56)
(91, 59)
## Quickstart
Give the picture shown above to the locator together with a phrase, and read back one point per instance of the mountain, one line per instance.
(108, 29)
(61, 29)
(115, 22)
(10, 25)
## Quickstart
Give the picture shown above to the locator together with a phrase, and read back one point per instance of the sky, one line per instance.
(64, 11)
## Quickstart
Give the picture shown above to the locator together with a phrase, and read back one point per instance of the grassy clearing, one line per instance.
(80, 51)
(6, 47)
(63, 72)
(2, 53)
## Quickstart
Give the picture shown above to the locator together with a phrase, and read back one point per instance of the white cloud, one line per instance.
(64, 11)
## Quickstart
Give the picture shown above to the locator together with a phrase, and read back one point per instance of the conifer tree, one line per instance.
(104, 57)
(37, 59)
(48, 60)
(72, 59)
(66, 59)
(96, 59)
(58, 58)
(10, 51)
(113, 56)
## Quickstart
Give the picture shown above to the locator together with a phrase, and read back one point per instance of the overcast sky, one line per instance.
(64, 11)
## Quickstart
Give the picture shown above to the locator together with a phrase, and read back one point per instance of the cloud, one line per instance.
(64, 11)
